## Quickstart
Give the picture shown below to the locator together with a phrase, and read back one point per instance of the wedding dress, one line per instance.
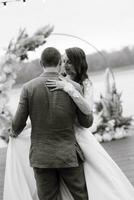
(104, 179)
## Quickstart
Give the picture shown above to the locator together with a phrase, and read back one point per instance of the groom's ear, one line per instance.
(59, 66)
(41, 64)
(59, 62)
(62, 68)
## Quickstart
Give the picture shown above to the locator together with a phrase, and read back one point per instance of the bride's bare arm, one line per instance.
(74, 90)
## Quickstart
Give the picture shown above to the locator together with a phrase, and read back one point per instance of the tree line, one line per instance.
(115, 59)
(97, 62)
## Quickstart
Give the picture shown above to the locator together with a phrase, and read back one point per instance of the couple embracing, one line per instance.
(67, 161)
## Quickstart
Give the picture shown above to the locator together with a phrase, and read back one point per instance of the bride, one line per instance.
(104, 179)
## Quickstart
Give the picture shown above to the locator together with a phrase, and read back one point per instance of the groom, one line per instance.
(54, 152)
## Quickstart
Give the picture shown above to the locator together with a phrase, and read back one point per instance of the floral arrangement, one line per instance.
(17, 51)
(109, 121)
(23, 43)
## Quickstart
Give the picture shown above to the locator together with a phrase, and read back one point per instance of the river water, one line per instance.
(124, 78)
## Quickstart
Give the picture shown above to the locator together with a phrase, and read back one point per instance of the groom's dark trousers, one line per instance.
(54, 152)
(48, 182)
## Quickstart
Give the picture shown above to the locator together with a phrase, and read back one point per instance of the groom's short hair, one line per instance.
(50, 57)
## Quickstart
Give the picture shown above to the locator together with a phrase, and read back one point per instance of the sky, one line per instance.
(106, 24)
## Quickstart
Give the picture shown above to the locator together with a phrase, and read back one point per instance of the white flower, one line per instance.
(98, 137)
(107, 129)
(111, 122)
(120, 132)
(107, 137)
(7, 69)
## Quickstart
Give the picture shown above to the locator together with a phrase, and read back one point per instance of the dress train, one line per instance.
(105, 180)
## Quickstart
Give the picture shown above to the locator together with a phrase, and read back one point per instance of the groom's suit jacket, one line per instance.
(52, 115)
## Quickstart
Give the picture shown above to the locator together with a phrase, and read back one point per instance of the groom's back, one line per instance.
(49, 110)
(52, 117)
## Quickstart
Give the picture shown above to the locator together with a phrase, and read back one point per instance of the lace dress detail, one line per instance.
(88, 95)
(88, 92)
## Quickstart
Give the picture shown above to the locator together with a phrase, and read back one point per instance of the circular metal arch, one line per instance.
(85, 41)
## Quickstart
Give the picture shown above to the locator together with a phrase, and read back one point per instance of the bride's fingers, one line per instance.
(50, 80)
(61, 78)
(54, 89)
(51, 83)
(51, 86)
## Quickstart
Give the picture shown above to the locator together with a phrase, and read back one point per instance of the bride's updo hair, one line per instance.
(77, 58)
